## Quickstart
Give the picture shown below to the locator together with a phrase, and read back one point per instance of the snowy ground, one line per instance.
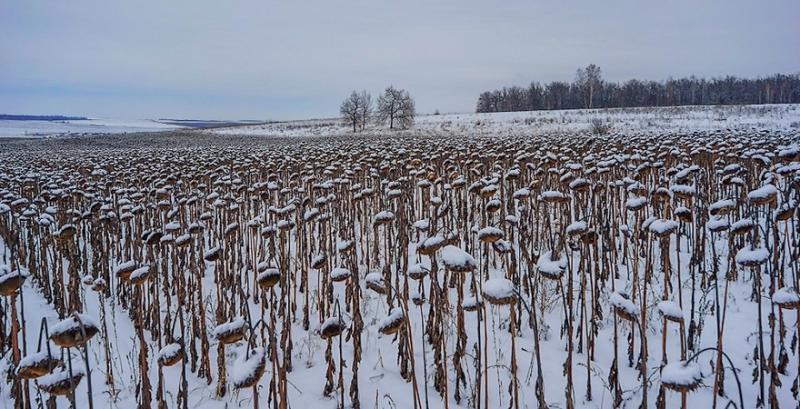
(699, 118)
(379, 378)
(693, 118)
(40, 129)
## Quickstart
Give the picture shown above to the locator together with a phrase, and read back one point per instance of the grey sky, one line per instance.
(264, 59)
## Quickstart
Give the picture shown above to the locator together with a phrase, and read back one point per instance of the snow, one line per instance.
(489, 189)
(748, 255)
(676, 119)
(785, 295)
(340, 273)
(310, 213)
(70, 324)
(721, 204)
(210, 252)
(789, 151)
(139, 272)
(578, 182)
(126, 266)
(576, 227)
(331, 322)
(384, 216)
(59, 376)
(269, 272)
(681, 373)
(763, 192)
(635, 202)
(717, 223)
(65, 228)
(36, 357)
(319, 258)
(394, 315)
(245, 368)
(522, 193)
(502, 245)
(471, 302)
(670, 309)
(6, 275)
(417, 270)
(183, 239)
(623, 303)
(497, 288)
(647, 222)
(38, 129)
(374, 277)
(550, 267)
(489, 231)
(421, 224)
(742, 224)
(663, 226)
(457, 259)
(234, 226)
(231, 326)
(169, 351)
(552, 195)
(683, 189)
(432, 241)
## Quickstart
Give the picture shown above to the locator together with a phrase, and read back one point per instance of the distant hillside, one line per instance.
(207, 123)
(9, 117)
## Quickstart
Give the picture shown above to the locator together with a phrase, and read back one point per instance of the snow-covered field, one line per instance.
(479, 261)
(678, 119)
(39, 129)
(700, 118)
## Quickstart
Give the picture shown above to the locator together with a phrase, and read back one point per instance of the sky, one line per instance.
(261, 59)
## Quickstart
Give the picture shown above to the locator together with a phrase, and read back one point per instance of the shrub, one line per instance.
(599, 127)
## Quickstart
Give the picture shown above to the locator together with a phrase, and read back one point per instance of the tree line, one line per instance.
(395, 107)
(589, 90)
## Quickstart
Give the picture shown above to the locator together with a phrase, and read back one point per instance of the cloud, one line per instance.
(265, 59)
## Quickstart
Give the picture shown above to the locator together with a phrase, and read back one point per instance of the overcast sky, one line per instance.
(263, 59)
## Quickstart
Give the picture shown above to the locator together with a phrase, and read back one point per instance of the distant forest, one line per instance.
(589, 90)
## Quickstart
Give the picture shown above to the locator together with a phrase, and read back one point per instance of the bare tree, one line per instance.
(396, 107)
(356, 110)
(366, 108)
(588, 81)
(594, 81)
(580, 84)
